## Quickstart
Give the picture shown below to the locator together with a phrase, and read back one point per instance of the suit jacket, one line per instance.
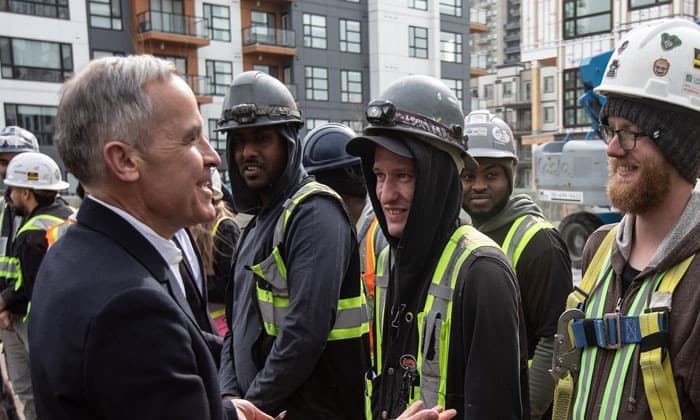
(110, 337)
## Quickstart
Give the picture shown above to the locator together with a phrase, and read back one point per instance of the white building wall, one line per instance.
(388, 50)
(72, 31)
(220, 50)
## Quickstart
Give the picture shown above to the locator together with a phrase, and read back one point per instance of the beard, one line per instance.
(480, 217)
(643, 194)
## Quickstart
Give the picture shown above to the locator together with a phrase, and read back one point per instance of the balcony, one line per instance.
(477, 20)
(170, 27)
(266, 40)
(512, 25)
(477, 65)
(201, 86)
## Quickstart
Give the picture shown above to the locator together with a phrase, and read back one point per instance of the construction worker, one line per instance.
(634, 317)
(534, 247)
(446, 320)
(296, 314)
(34, 180)
(13, 141)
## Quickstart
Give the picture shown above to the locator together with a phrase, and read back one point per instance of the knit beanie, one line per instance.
(679, 129)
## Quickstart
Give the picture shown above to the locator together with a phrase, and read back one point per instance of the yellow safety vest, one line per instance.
(642, 328)
(519, 235)
(435, 321)
(273, 300)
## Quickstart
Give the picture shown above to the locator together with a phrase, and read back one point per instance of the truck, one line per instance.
(574, 172)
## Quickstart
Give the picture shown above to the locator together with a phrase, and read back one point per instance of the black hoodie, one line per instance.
(483, 368)
(298, 370)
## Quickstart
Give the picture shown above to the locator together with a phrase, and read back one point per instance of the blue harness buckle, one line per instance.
(611, 326)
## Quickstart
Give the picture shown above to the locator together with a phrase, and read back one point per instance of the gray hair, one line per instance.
(105, 101)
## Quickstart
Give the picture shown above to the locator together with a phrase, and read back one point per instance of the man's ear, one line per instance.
(122, 160)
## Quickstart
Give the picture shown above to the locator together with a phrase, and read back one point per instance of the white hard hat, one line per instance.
(36, 171)
(659, 60)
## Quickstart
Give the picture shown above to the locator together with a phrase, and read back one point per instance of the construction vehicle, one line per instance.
(575, 172)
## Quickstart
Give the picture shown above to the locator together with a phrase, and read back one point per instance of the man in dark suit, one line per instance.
(110, 331)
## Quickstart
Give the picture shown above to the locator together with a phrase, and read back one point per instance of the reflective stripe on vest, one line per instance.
(381, 288)
(519, 235)
(38, 222)
(659, 385)
(215, 228)
(351, 317)
(55, 232)
(435, 318)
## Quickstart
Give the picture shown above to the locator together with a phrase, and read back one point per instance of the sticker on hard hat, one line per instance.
(696, 60)
(32, 176)
(477, 118)
(691, 85)
(669, 42)
(661, 67)
(622, 47)
(500, 135)
(612, 70)
(476, 131)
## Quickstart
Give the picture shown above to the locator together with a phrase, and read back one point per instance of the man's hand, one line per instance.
(247, 411)
(414, 412)
(6, 320)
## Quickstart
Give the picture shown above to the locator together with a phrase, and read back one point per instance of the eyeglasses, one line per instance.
(386, 113)
(626, 138)
(249, 113)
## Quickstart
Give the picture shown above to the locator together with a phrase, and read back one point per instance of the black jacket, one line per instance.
(298, 370)
(483, 365)
(109, 336)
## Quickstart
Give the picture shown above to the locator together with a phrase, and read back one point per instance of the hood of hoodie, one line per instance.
(431, 220)
(248, 201)
(681, 242)
(517, 205)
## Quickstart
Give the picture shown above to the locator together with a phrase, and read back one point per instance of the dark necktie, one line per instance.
(193, 297)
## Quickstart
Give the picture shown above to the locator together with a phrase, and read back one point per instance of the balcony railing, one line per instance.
(200, 85)
(57, 9)
(268, 36)
(477, 15)
(478, 61)
(170, 23)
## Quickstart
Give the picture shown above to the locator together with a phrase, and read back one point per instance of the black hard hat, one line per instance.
(257, 99)
(324, 148)
(424, 107)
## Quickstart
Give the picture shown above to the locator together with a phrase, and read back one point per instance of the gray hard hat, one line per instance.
(257, 99)
(489, 136)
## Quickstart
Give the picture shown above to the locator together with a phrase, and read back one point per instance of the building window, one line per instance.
(549, 114)
(218, 22)
(104, 53)
(219, 74)
(356, 126)
(311, 123)
(350, 38)
(314, 31)
(180, 63)
(262, 28)
(527, 89)
(417, 42)
(418, 4)
(271, 70)
(41, 61)
(640, 4)
(455, 85)
(217, 139)
(316, 79)
(105, 14)
(351, 86)
(508, 89)
(574, 114)
(45, 8)
(583, 18)
(488, 91)
(38, 119)
(451, 7)
(451, 47)
(549, 84)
